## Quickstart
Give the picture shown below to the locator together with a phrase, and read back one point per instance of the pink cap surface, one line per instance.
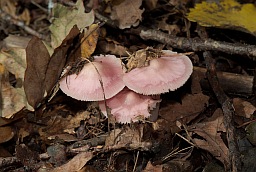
(128, 106)
(86, 85)
(168, 72)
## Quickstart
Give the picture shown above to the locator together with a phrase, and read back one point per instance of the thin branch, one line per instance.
(21, 24)
(197, 44)
(187, 44)
(228, 111)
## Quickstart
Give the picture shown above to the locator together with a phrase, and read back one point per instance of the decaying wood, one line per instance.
(234, 163)
(231, 83)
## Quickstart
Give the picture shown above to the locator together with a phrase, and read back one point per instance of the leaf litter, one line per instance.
(43, 129)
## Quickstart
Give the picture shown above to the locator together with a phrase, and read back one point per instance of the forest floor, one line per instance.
(205, 123)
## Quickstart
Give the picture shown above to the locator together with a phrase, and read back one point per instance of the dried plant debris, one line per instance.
(12, 99)
(66, 18)
(131, 138)
(127, 13)
(44, 70)
(210, 131)
(110, 85)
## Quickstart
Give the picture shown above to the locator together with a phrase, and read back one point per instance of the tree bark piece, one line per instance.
(231, 83)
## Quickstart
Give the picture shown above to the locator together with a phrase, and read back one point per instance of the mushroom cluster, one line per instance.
(129, 91)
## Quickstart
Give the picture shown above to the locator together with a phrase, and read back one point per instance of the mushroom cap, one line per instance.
(128, 106)
(86, 85)
(168, 72)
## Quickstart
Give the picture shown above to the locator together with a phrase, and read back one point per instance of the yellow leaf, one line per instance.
(225, 14)
(1, 69)
(89, 41)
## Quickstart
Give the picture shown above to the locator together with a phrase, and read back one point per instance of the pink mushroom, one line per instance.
(168, 72)
(128, 106)
(86, 85)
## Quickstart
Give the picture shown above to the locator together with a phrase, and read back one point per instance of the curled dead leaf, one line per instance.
(12, 99)
(6, 134)
(127, 13)
(211, 130)
(10, 8)
(243, 108)
(76, 163)
(43, 71)
(127, 138)
(37, 62)
(89, 41)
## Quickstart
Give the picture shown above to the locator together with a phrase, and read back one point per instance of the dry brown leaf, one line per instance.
(89, 41)
(6, 134)
(10, 8)
(151, 4)
(128, 13)
(191, 106)
(59, 59)
(151, 168)
(196, 77)
(112, 47)
(76, 163)
(172, 29)
(37, 62)
(57, 153)
(210, 131)
(15, 41)
(243, 108)
(4, 152)
(14, 60)
(127, 138)
(59, 125)
(26, 156)
(43, 71)
(251, 132)
(22, 133)
(88, 168)
(13, 99)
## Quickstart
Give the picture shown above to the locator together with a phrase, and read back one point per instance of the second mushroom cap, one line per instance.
(87, 86)
(168, 72)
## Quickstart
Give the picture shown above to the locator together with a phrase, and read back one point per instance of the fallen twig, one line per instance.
(21, 24)
(228, 111)
(188, 44)
(100, 140)
(196, 44)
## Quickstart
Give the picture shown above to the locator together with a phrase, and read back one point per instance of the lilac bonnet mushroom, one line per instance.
(128, 106)
(86, 84)
(166, 73)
